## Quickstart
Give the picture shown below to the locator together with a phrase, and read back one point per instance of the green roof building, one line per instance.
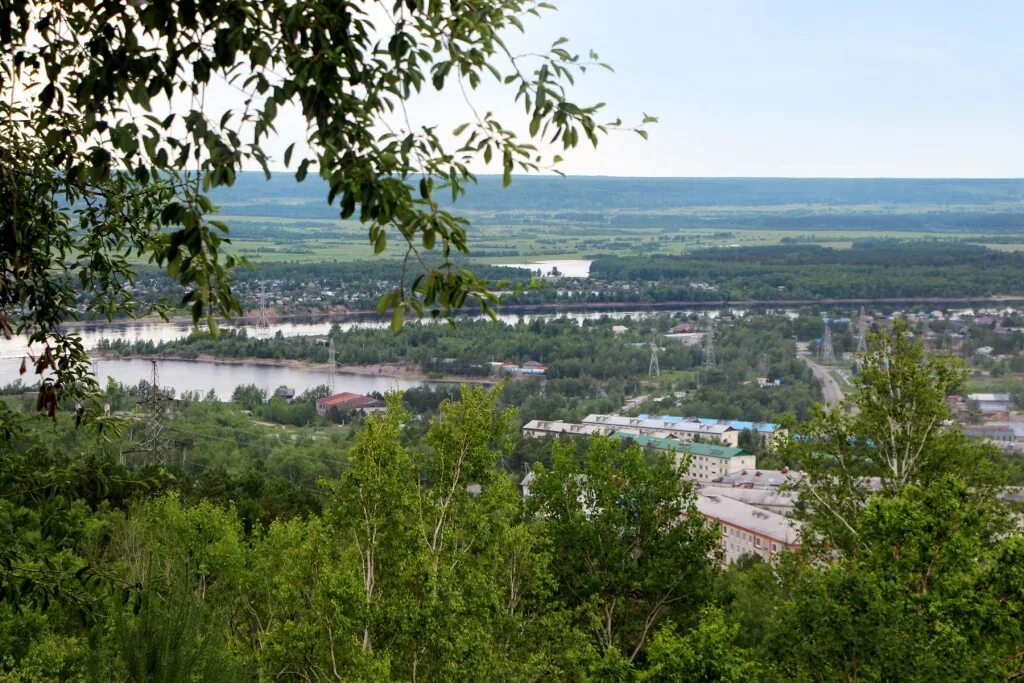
(708, 462)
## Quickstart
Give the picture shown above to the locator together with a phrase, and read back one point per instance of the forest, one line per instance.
(414, 556)
(871, 268)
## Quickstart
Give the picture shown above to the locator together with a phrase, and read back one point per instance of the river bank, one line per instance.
(407, 372)
(311, 315)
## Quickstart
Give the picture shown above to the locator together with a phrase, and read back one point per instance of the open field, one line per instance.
(286, 239)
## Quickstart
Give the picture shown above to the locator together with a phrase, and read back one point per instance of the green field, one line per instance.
(262, 239)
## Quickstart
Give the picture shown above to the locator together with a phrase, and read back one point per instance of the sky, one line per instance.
(812, 88)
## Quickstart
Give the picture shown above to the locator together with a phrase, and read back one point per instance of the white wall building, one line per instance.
(747, 530)
(652, 426)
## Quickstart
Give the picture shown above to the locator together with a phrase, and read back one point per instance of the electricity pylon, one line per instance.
(826, 352)
(154, 444)
(862, 342)
(709, 347)
(653, 370)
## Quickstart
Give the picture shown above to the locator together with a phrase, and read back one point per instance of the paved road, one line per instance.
(829, 386)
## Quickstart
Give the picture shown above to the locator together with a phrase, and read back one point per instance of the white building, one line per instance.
(708, 462)
(557, 428)
(747, 530)
(991, 404)
(652, 426)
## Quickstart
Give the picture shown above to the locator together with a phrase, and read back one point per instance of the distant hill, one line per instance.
(282, 196)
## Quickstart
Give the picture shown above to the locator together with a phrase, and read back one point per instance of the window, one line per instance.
(775, 547)
(757, 541)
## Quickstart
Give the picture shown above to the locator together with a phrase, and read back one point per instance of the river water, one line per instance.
(184, 375)
(201, 376)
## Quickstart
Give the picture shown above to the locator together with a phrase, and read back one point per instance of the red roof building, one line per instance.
(347, 402)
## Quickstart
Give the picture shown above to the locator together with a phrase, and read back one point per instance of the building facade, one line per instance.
(748, 530)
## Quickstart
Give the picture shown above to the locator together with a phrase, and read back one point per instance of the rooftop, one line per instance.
(346, 400)
(755, 497)
(761, 478)
(706, 449)
(622, 421)
(989, 397)
(741, 425)
(755, 520)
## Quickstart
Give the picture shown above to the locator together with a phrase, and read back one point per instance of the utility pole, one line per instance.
(709, 347)
(653, 370)
(827, 353)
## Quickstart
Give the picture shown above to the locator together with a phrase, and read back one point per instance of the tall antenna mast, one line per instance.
(330, 365)
(709, 346)
(827, 353)
(862, 342)
(653, 370)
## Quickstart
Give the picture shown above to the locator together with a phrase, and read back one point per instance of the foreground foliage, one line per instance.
(417, 558)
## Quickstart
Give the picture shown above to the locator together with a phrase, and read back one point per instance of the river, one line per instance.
(202, 376)
(184, 375)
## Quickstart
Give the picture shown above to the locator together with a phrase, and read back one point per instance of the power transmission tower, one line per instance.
(826, 352)
(262, 317)
(330, 365)
(709, 347)
(154, 444)
(653, 370)
(862, 342)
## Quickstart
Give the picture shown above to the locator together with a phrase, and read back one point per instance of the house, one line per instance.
(747, 530)
(682, 328)
(529, 368)
(347, 402)
(707, 461)
(619, 329)
(991, 404)
(287, 393)
(532, 367)
(682, 430)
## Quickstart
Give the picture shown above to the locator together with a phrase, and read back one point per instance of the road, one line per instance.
(830, 390)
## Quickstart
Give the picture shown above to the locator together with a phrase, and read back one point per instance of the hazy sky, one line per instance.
(795, 88)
